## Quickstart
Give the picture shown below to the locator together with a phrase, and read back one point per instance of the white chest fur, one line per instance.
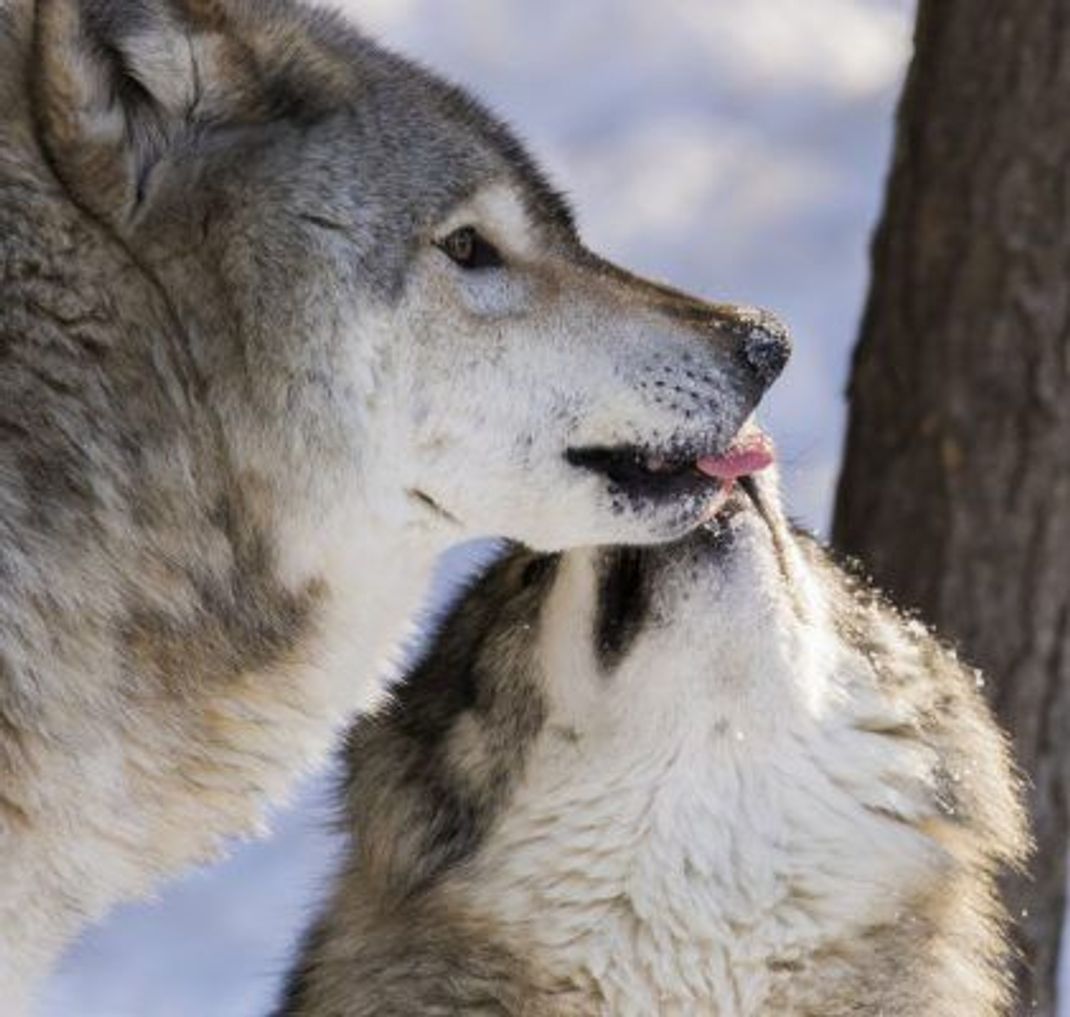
(684, 850)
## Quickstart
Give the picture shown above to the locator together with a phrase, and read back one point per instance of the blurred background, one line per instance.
(736, 149)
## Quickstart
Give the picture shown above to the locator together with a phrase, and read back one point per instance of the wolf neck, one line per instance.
(217, 760)
(377, 577)
(646, 872)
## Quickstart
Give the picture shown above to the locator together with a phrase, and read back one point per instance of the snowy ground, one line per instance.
(737, 149)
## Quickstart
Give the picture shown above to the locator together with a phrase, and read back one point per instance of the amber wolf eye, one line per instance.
(468, 249)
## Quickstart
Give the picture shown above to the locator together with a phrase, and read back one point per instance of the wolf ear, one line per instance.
(119, 83)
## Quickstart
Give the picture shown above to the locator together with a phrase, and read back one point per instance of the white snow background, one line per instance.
(736, 149)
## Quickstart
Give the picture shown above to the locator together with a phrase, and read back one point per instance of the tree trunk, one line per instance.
(955, 490)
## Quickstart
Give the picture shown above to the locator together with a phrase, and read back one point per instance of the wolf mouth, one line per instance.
(660, 475)
(643, 473)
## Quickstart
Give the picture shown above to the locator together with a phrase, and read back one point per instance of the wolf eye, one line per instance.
(468, 249)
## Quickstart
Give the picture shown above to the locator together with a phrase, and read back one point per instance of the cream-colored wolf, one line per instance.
(281, 317)
(719, 778)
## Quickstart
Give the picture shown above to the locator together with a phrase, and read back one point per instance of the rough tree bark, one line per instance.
(955, 490)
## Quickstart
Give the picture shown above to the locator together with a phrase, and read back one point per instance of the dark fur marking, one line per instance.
(788, 966)
(538, 569)
(323, 223)
(403, 783)
(434, 506)
(243, 620)
(623, 599)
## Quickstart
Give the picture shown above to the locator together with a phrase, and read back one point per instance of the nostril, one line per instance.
(765, 345)
(766, 355)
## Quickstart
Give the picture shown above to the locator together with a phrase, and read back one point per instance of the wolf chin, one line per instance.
(717, 777)
(282, 316)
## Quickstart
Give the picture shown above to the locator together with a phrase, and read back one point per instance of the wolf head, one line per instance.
(369, 267)
(553, 670)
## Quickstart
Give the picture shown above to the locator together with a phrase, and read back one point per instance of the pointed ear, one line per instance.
(120, 82)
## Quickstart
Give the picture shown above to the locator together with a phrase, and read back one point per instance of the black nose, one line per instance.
(764, 343)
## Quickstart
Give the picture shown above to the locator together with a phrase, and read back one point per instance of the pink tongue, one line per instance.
(749, 454)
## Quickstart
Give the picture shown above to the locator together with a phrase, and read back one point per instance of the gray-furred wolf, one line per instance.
(716, 777)
(281, 317)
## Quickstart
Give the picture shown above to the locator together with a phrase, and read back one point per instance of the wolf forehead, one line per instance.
(483, 656)
(259, 62)
(427, 776)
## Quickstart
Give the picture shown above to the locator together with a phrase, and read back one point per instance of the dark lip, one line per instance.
(624, 467)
